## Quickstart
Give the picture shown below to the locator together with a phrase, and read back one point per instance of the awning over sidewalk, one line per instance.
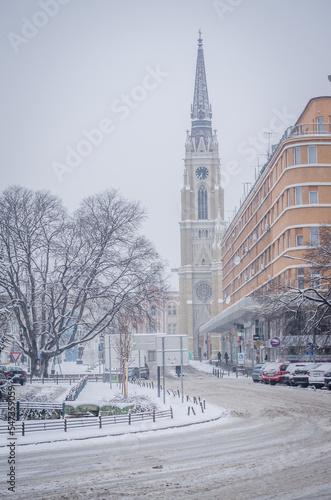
(240, 312)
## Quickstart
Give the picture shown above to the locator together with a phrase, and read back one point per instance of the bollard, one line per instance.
(153, 414)
(171, 412)
(129, 417)
(204, 404)
(18, 409)
(201, 406)
(63, 409)
(57, 379)
(23, 428)
(69, 380)
(65, 424)
(43, 378)
(193, 410)
(100, 422)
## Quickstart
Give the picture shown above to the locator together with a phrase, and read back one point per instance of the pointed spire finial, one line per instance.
(200, 39)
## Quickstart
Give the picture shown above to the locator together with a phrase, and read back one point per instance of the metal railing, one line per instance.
(68, 423)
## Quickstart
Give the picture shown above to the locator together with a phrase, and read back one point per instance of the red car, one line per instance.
(274, 372)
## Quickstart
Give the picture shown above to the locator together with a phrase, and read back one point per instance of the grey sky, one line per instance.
(73, 68)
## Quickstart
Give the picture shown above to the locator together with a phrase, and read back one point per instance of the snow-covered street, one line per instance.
(274, 443)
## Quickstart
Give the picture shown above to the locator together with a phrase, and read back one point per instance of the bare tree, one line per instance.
(304, 311)
(70, 276)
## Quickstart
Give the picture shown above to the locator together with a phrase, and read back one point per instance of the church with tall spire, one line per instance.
(202, 221)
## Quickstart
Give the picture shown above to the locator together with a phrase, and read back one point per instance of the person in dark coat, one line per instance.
(219, 357)
(226, 357)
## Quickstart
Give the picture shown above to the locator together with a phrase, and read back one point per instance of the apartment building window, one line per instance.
(174, 329)
(282, 163)
(299, 240)
(288, 198)
(301, 278)
(174, 310)
(313, 197)
(297, 155)
(312, 154)
(289, 242)
(298, 196)
(284, 242)
(287, 158)
(315, 279)
(314, 235)
(283, 202)
(320, 124)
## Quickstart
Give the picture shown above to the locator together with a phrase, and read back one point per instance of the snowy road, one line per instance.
(277, 447)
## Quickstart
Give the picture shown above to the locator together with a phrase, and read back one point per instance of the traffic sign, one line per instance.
(15, 355)
(241, 358)
(275, 342)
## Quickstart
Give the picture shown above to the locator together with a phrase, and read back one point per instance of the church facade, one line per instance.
(201, 225)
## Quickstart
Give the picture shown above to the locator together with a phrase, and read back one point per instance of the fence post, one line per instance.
(23, 428)
(100, 422)
(18, 409)
(129, 417)
(63, 409)
(153, 414)
(65, 424)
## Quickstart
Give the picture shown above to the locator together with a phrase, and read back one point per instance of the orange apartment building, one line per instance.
(279, 218)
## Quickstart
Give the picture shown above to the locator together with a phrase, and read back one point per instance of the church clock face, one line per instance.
(202, 173)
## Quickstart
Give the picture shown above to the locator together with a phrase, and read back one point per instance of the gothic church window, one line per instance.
(202, 203)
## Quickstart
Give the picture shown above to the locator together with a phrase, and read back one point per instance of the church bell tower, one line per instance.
(201, 225)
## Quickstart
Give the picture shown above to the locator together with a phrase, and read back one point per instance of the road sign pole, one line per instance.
(110, 384)
(181, 368)
(163, 362)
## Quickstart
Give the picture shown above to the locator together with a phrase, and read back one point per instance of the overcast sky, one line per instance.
(96, 94)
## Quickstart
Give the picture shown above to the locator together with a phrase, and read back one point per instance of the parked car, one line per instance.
(3, 378)
(3, 386)
(274, 373)
(327, 379)
(297, 374)
(316, 375)
(15, 374)
(257, 372)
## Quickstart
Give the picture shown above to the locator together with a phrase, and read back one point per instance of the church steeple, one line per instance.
(201, 110)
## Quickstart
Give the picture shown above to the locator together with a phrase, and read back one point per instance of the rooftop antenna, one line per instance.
(269, 144)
